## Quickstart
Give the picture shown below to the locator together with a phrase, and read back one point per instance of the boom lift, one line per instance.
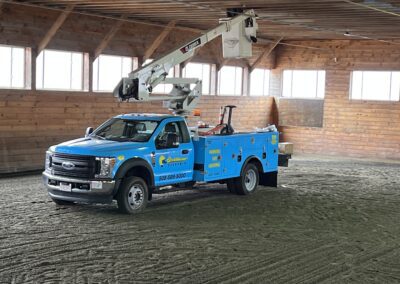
(238, 34)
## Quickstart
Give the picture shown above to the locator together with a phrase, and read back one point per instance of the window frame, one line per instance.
(241, 81)
(291, 85)
(362, 86)
(24, 67)
(70, 89)
(264, 81)
(96, 73)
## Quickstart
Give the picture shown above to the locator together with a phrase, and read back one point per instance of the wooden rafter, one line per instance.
(108, 37)
(54, 28)
(156, 43)
(265, 54)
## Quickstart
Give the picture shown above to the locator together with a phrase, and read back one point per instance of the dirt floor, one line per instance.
(329, 221)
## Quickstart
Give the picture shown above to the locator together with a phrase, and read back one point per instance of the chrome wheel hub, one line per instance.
(250, 180)
(135, 196)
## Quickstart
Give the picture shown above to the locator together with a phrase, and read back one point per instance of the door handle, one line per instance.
(185, 152)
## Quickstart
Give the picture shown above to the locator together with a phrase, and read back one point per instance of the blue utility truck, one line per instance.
(132, 156)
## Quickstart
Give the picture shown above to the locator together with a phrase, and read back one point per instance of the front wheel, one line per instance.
(133, 195)
(248, 180)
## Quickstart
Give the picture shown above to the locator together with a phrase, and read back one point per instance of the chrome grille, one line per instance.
(75, 166)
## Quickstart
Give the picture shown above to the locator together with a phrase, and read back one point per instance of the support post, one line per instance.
(265, 54)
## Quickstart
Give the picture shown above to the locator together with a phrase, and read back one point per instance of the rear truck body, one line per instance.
(130, 157)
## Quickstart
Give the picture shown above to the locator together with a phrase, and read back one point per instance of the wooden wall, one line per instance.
(31, 121)
(354, 128)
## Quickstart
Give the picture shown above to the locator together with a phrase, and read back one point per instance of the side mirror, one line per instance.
(89, 131)
(172, 140)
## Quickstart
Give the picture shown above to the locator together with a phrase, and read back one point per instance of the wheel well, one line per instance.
(140, 171)
(257, 163)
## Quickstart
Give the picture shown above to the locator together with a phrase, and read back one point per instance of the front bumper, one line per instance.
(82, 191)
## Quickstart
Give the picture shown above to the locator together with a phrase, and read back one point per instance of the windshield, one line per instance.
(117, 129)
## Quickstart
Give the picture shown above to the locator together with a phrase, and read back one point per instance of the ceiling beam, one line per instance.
(156, 43)
(108, 37)
(54, 28)
(265, 54)
(367, 6)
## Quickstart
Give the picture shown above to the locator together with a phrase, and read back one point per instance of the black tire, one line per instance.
(62, 202)
(248, 181)
(133, 195)
(231, 185)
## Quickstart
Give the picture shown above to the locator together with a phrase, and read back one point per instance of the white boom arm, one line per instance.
(141, 82)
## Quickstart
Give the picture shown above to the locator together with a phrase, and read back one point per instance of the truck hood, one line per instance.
(96, 147)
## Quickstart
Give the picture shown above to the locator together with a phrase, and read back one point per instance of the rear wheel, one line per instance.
(62, 202)
(248, 181)
(133, 195)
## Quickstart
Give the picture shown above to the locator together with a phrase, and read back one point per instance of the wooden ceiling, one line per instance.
(291, 19)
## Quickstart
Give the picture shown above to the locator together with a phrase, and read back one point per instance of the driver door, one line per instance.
(173, 163)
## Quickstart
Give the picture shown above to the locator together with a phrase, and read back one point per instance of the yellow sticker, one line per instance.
(215, 158)
(214, 151)
(274, 139)
(162, 160)
(176, 160)
(121, 157)
(214, 165)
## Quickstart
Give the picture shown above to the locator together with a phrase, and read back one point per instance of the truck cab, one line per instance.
(130, 156)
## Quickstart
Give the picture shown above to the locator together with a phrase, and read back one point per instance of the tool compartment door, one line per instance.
(208, 159)
(231, 153)
(272, 153)
(213, 165)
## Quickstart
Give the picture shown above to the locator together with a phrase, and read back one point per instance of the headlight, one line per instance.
(106, 166)
(47, 164)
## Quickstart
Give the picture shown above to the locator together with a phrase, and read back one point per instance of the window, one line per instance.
(375, 85)
(308, 84)
(259, 82)
(12, 67)
(230, 81)
(199, 71)
(59, 70)
(117, 129)
(177, 127)
(108, 71)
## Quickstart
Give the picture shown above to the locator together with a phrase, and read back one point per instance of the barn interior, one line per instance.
(326, 73)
